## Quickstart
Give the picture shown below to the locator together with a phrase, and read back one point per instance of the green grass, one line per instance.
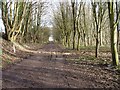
(90, 58)
(8, 61)
(92, 48)
(87, 48)
(82, 58)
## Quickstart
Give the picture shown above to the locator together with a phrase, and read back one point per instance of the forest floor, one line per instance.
(55, 67)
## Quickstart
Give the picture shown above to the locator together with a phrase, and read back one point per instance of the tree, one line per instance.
(62, 23)
(13, 21)
(113, 32)
(118, 18)
(74, 21)
(98, 13)
(78, 21)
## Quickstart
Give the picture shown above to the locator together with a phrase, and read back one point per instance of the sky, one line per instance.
(1, 23)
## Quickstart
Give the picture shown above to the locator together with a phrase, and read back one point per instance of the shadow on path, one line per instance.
(53, 71)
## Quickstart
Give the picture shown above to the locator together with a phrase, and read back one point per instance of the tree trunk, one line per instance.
(118, 41)
(74, 20)
(117, 17)
(114, 46)
(101, 38)
(96, 48)
(4, 18)
(78, 43)
(113, 30)
(97, 42)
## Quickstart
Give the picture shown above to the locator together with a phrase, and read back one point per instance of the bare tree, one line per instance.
(98, 13)
(113, 31)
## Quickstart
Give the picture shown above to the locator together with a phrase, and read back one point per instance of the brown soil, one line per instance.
(50, 68)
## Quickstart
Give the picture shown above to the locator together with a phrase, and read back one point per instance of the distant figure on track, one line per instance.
(51, 38)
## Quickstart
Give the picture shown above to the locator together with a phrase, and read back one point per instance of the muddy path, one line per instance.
(52, 70)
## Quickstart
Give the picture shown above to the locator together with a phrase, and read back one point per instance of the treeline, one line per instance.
(79, 23)
(22, 20)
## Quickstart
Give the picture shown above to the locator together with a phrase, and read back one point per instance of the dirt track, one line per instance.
(52, 70)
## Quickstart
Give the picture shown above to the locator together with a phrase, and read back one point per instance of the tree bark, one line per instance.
(74, 20)
(113, 30)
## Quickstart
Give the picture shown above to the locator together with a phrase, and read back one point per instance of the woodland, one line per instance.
(84, 52)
